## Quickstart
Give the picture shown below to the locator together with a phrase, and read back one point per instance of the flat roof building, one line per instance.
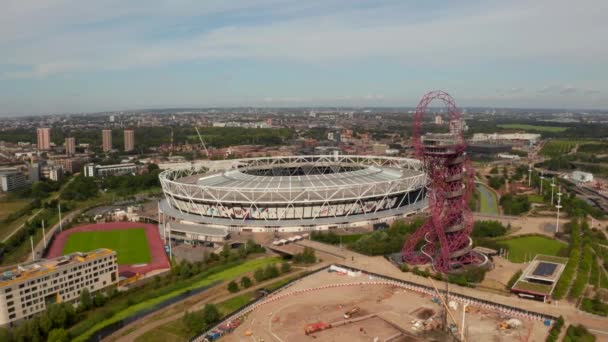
(106, 140)
(70, 146)
(539, 278)
(129, 140)
(11, 180)
(43, 138)
(28, 289)
(94, 170)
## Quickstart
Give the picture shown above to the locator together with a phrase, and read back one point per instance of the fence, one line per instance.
(381, 280)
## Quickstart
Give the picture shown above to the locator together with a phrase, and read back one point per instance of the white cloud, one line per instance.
(86, 39)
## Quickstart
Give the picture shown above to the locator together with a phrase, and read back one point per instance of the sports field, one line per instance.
(131, 245)
(536, 128)
(524, 248)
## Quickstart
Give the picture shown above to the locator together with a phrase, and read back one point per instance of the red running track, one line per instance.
(158, 256)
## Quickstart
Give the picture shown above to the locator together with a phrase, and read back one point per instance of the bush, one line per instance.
(285, 267)
(582, 276)
(306, 257)
(488, 229)
(555, 330)
(515, 205)
(496, 182)
(245, 282)
(233, 287)
(458, 279)
(578, 334)
(595, 306)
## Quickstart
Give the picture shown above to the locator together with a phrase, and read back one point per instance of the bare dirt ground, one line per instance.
(502, 272)
(390, 310)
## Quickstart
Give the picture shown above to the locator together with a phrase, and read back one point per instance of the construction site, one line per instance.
(332, 305)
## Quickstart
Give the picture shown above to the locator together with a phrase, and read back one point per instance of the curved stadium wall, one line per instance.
(296, 193)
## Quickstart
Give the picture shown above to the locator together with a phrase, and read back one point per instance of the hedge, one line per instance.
(582, 275)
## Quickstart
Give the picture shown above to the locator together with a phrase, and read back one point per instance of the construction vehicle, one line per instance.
(348, 314)
(315, 327)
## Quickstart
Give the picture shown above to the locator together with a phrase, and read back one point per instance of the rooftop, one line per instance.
(43, 266)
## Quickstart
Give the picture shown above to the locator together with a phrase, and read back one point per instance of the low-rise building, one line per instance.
(95, 170)
(28, 289)
(582, 177)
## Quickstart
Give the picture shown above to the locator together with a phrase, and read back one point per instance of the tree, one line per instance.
(307, 256)
(193, 322)
(99, 300)
(5, 335)
(58, 335)
(45, 324)
(245, 282)
(258, 274)
(271, 271)
(85, 299)
(285, 267)
(233, 287)
(210, 314)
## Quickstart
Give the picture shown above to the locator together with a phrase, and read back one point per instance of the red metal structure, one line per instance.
(444, 239)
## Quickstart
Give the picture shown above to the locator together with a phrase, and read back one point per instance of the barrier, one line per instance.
(386, 281)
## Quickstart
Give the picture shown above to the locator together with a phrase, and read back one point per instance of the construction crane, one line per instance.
(202, 142)
(447, 309)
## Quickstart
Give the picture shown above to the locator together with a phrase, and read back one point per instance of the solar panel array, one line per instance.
(544, 269)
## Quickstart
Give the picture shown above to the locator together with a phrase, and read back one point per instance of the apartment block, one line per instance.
(106, 140)
(29, 289)
(70, 146)
(129, 140)
(43, 140)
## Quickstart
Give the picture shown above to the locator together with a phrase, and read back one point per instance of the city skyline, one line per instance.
(72, 57)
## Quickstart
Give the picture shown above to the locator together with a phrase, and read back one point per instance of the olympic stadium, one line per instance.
(290, 194)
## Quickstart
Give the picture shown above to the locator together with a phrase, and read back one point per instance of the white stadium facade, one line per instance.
(289, 194)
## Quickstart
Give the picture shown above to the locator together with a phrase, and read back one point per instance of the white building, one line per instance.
(583, 177)
(94, 170)
(11, 180)
(27, 289)
(529, 138)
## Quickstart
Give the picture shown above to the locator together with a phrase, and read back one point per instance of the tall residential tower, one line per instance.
(129, 140)
(44, 138)
(106, 140)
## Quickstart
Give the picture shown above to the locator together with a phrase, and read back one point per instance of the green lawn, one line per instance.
(535, 198)
(536, 128)
(526, 247)
(8, 207)
(131, 245)
(227, 274)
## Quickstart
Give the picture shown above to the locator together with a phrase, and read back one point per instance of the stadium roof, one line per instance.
(240, 180)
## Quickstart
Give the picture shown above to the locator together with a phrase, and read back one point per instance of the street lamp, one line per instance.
(552, 186)
(558, 206)
(542, 178)
(529, 175)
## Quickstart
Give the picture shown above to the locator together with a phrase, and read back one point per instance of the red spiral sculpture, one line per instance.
(444, 239)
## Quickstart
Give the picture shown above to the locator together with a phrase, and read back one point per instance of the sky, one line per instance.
(66, 56)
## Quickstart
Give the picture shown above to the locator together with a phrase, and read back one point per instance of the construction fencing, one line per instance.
(378, 279)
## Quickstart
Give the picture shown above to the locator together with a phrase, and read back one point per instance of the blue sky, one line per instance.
(80, 56)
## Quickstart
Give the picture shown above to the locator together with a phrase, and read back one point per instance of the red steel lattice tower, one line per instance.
(443, 240)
